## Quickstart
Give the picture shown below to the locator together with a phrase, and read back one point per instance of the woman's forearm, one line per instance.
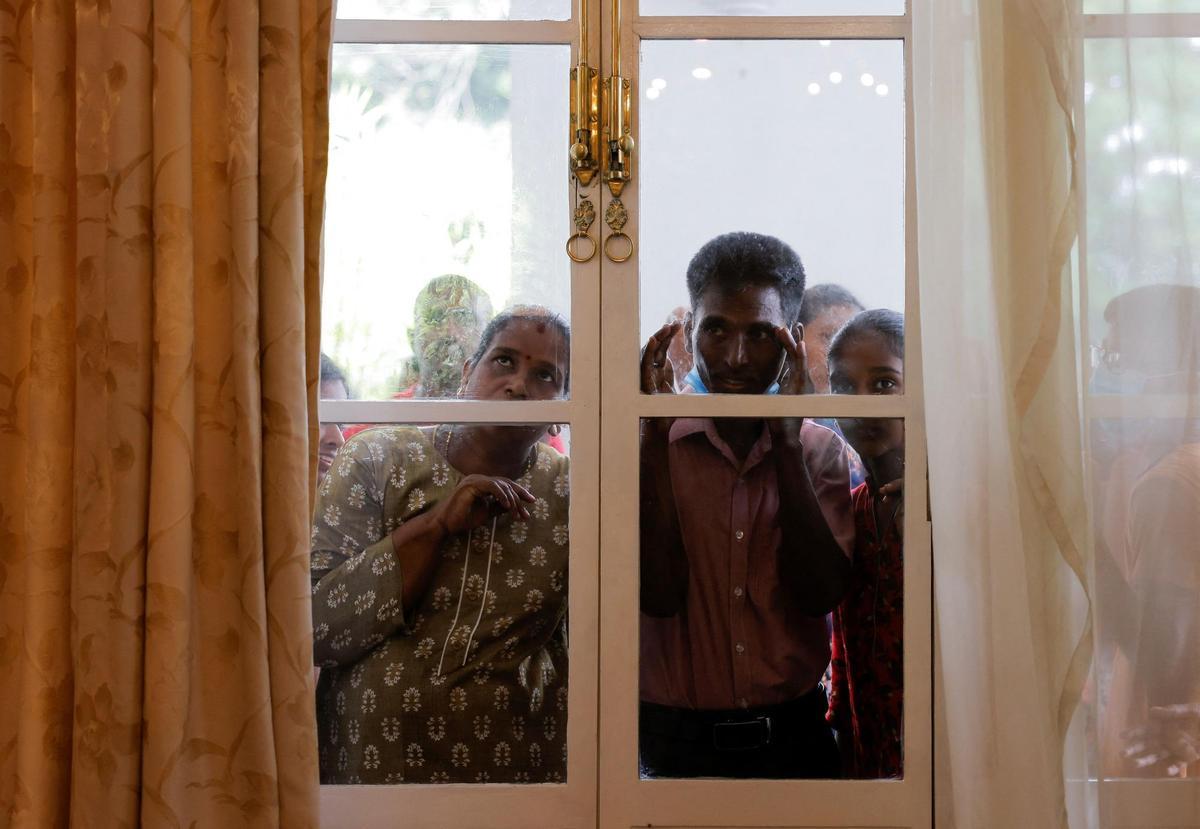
(812, 563)
(417, 543)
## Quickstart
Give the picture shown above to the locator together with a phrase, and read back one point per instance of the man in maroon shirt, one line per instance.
(746, 533)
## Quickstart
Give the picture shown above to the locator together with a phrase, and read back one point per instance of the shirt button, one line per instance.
(739, 535)
(739, 647)
(737, 591)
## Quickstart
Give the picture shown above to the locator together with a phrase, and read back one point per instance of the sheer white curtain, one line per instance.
(1058, 201)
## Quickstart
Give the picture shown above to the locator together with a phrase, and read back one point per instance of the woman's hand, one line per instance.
(417, 542)
(478, 498)
(657, 375)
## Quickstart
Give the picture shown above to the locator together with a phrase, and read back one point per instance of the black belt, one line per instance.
(738, 729)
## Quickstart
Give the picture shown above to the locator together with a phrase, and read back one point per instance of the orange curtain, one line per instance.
(162, 169)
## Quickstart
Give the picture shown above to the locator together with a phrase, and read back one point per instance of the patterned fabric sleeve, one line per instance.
(356, 580)
(825, 455)
(839, 713)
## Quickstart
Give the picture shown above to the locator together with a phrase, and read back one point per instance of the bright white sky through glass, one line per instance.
(801, 140)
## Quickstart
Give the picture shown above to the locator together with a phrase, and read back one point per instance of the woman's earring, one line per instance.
(555, 430)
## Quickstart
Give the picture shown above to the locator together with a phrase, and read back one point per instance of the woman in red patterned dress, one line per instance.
(866, 701)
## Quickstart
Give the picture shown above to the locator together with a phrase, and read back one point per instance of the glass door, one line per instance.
(764, 531)
(455, 540)
(591, 301)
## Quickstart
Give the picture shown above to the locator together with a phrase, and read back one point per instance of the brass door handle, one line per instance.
(583, 155)
(619, 146)
(615, 217)
(618, 105)
(585, 214)
(606, 147)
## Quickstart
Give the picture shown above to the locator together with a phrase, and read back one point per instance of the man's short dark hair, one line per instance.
(734, 261)
(820, 298)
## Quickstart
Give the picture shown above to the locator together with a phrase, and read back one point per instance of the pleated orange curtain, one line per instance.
(162, 168)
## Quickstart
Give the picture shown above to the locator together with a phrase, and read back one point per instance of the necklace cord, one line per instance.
(466, 562)
(487, 580)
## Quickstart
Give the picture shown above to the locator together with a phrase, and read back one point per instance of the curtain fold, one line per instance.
(1062, 383)
(162, 171)
(996, 204)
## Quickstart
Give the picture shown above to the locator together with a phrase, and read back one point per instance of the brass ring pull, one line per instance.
(608, 252)
(571, 245)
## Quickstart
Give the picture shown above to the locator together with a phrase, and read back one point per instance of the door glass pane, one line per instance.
(440, 606)
(446, 203)
(1143, 170)
(774, 8)
(772, 598)
(454, 9)
(1146, 484)
(802, 141)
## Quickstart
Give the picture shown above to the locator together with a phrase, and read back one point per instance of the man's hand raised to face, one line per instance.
(794, 378)
(657, 376)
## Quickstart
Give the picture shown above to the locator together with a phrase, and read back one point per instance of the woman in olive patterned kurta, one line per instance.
(468, 683)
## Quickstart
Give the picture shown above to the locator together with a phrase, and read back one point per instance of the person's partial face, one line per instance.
(445, 334)
(330, 438)
(526, 360)
(868, 366)
(818, 334)
(731, 337)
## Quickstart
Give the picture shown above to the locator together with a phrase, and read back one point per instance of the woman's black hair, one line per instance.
(733, 261)
(330, 373)
(526, 313)
(884, 323)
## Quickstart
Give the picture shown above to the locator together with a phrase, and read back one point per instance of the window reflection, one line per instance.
(1147, 489)
(1145, 690)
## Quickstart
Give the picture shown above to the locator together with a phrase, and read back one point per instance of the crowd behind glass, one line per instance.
(771, 641)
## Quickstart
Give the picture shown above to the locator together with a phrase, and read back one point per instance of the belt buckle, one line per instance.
(742, 736)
